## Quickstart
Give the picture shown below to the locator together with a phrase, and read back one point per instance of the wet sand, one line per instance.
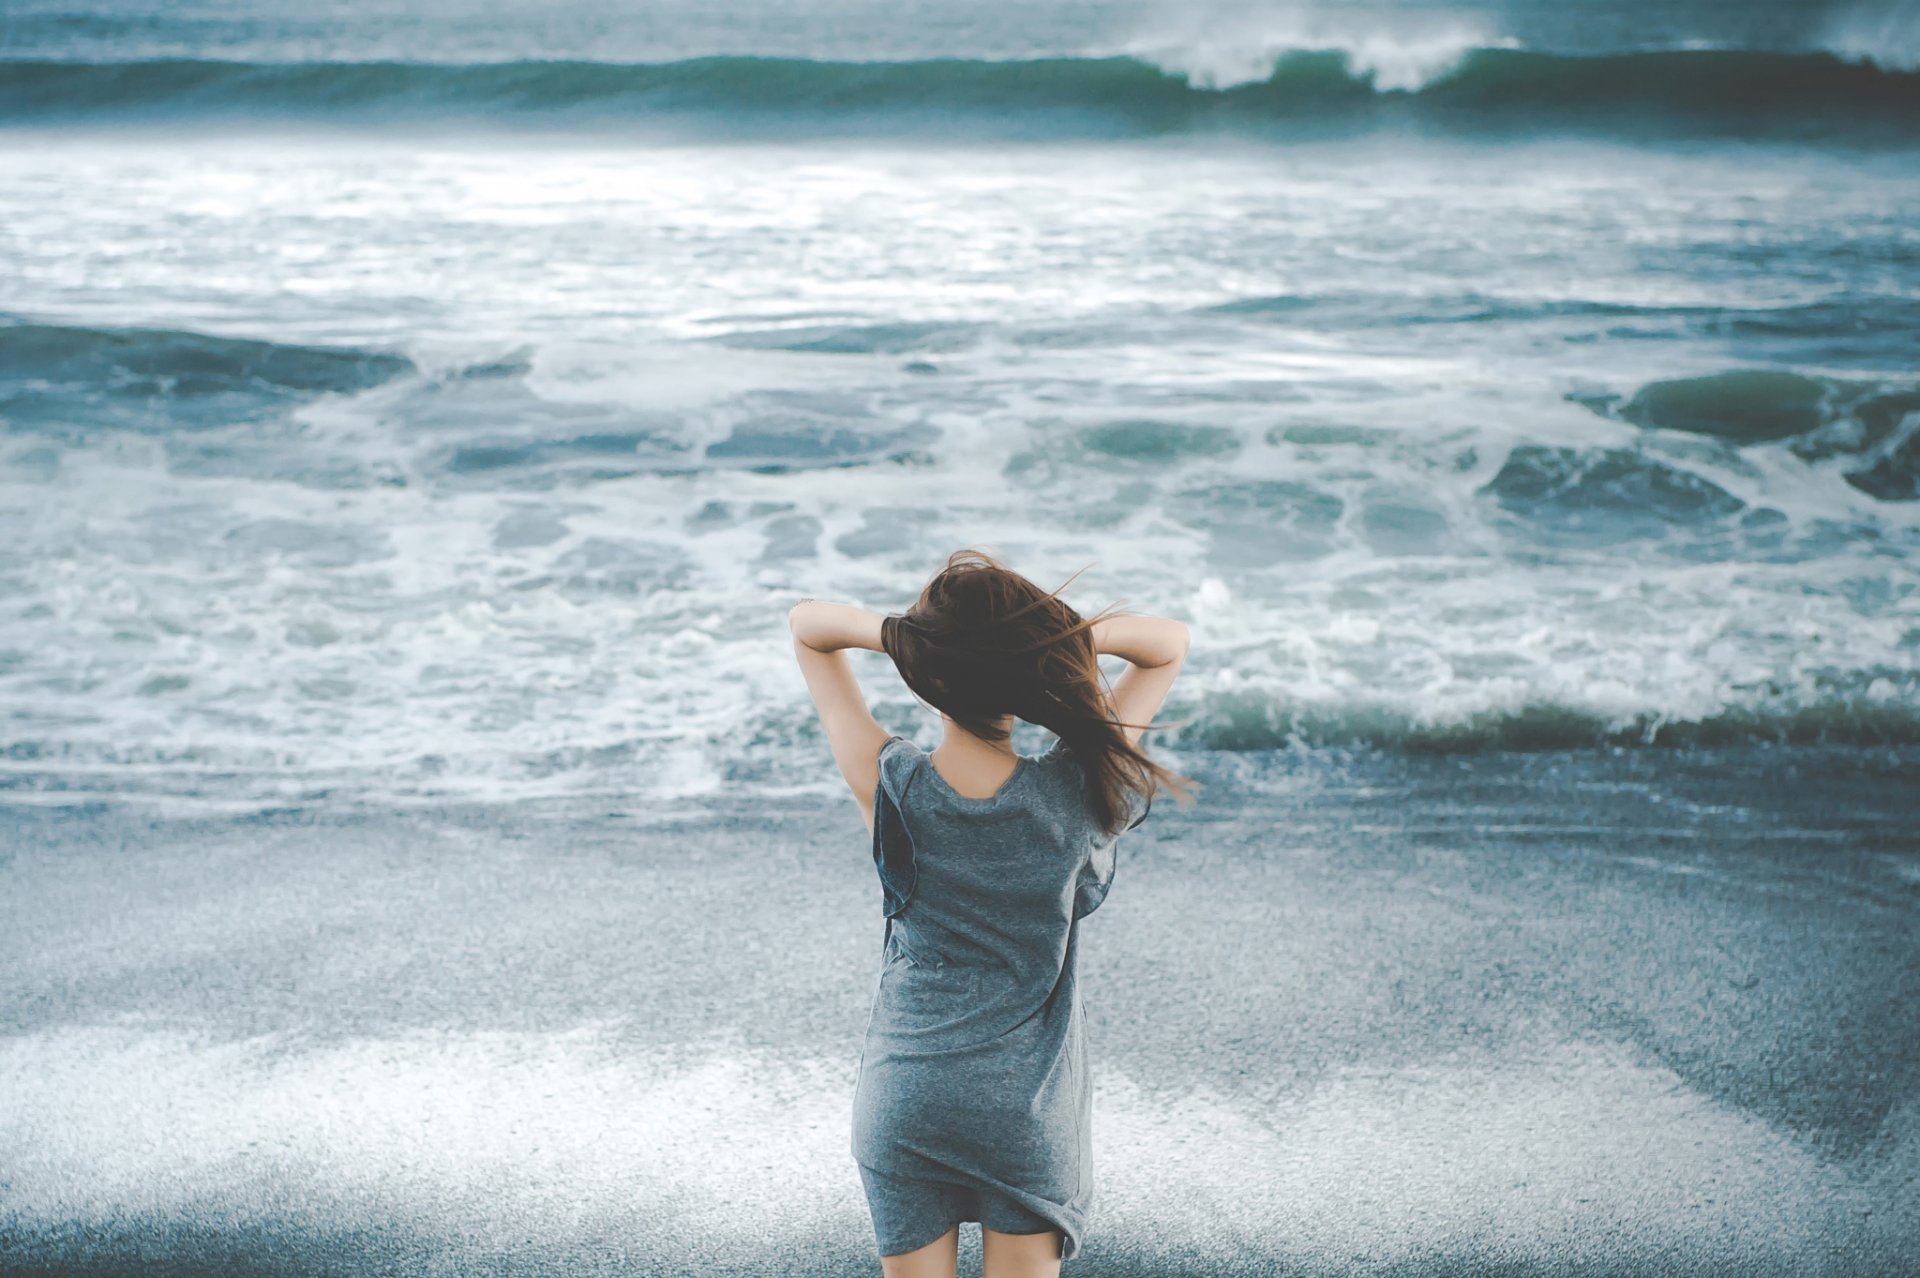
(1613, 1013)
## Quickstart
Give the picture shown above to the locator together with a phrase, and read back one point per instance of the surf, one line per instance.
(1737, 92)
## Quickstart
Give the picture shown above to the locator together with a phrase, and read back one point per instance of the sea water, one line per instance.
(420, 401)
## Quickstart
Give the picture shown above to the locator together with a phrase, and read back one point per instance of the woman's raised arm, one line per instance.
(829, 627)
(820, 631)
(1154, 649)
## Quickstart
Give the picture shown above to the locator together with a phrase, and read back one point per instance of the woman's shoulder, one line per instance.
(1060, 759)
(1059, 771)
(1056, 755)
(897, 757)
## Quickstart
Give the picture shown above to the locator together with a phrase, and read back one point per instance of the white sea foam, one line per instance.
(335, 603)
(1219, 46)
(1885, 33)
(579, 1145)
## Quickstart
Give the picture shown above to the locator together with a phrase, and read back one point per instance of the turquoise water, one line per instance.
(393, 412)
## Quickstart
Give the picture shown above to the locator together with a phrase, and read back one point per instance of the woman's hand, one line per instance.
(829, 627)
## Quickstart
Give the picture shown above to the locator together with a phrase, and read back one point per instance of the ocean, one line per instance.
(418, 851)
(417, 401)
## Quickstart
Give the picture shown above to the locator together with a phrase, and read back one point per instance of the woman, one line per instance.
(974, 1093)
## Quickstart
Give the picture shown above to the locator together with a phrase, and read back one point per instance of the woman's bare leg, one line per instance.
(1019, 1255)
(938, 1259)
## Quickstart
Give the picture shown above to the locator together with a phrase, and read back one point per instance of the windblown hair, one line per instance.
(983, 642)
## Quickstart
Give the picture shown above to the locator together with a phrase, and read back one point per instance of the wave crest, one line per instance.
(1873, 716)
(1737, 92)
(1885, 35)
(60, 377)
(1404, 61)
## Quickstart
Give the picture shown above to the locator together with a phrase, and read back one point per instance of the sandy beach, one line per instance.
(1594, 1013)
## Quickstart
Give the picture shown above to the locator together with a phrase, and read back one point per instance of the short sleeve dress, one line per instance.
(974, 1094)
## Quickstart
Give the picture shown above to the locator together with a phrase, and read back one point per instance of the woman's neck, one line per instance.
(974, 768)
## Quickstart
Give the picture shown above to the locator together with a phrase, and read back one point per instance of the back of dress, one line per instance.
(974, 1070)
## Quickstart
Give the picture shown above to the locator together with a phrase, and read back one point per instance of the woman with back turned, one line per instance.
(974, 1099)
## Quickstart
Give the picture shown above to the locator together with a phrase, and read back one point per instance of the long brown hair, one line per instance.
(983, 642)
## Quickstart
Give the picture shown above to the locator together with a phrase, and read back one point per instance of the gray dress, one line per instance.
(974, 1099)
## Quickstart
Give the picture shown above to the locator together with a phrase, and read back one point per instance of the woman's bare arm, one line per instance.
(1154, 649)
(829, 627)
(820, 631)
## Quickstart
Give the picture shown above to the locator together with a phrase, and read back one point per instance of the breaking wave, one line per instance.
(1728, 91)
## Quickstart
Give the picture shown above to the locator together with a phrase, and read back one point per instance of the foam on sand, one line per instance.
(496, 1143)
